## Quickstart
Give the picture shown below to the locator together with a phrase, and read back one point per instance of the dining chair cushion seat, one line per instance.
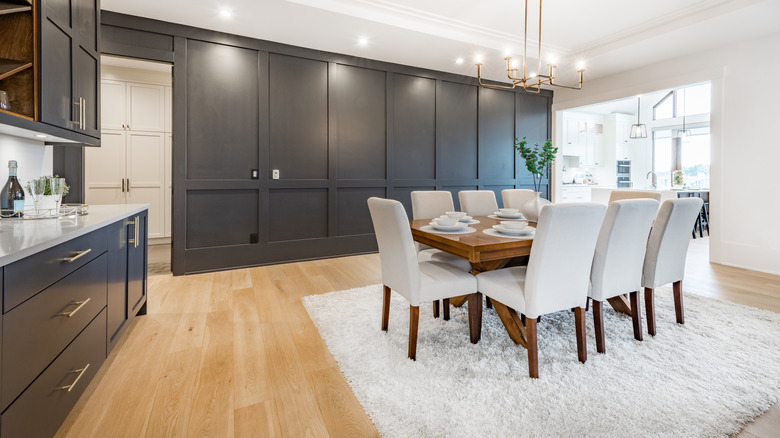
(620, 249)
(445, 257)
(505, 286)
(439, 280)
(667, 246)
(478, 202)
(515, 198)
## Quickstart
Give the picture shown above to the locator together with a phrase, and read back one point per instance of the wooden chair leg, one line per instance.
(446, 309)
(598, 323)
(678, 302)
(636, 315)
(385, 308)
(414, 319)
(475, 317)
(436, 309)
(488, 303)
(650, 310)
(582, 343)
(533, 349)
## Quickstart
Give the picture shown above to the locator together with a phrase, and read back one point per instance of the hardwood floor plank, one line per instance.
(172, 405)
(257, 420)
(343, 415)
(250, 370)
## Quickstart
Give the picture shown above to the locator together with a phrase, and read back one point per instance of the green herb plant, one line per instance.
(47, 185)
(537, 159)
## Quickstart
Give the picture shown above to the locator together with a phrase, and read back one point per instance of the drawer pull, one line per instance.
(78, 255)
(73, 385)
(73, 312)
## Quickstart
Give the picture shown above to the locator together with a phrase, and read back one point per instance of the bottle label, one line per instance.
(19, 205)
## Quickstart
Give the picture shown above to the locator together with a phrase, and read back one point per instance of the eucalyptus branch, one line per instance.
(537, 160)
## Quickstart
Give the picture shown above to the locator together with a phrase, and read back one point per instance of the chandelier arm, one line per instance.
(539, 70)
(570, 87)
(525, 42)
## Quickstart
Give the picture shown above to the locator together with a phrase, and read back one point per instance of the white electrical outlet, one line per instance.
(276, 174)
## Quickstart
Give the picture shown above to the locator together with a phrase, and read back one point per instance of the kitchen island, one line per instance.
(70, 287)
(601, 194)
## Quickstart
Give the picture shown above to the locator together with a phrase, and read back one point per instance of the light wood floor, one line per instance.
(234, 353)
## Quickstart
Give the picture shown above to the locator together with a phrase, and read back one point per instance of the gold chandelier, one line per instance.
(530, 83)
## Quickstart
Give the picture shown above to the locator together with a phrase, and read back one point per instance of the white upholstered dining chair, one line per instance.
(618, 259)
(402, 272)
(667, 248)
(514, 198)
(557, 275)
(478, 202)
(617, 195)
(429, 204)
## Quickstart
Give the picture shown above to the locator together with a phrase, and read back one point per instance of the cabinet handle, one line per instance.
(77, 122)
(83, 113)
(78, 255)
(73, 385)
(73, 312)
(123, 185)
(135, 224)
(128, 185)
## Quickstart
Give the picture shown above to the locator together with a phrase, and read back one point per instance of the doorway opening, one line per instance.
(134, 163)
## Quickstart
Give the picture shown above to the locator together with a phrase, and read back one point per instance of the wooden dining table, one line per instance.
(486, 253)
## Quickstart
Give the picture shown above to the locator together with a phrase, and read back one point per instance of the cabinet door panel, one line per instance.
(85, 71)
(84, 23)
(112, 109)
(136, 263)
(57, 106)
(146, 176)
(104, 170)
(168, 206)
(117, 277)
(145, 107)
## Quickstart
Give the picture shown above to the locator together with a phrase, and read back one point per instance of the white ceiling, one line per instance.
(607, 35)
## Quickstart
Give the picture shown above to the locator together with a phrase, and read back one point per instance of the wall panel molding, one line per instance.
(372, 129)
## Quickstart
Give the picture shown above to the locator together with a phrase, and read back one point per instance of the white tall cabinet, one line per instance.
(132, 166)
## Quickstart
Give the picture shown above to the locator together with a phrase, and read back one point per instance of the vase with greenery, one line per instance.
(537, 161)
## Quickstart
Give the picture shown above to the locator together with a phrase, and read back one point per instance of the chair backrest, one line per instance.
(429, 204)
(514, 198)
(478, 202)
(620, 249)
(668, 243)
(400, 269)
(561, 256)
(617, 195)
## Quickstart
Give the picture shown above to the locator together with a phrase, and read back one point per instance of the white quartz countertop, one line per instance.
(22, 238)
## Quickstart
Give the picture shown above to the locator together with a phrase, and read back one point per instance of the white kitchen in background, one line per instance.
(133, 165)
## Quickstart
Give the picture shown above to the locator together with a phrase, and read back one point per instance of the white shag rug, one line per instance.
(702, 379)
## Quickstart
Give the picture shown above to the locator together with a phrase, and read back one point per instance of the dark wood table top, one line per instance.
(485, 252)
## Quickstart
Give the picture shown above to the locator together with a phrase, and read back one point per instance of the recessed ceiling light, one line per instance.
(459, 61)
(41, 135)
(362, 41)
(225, 13)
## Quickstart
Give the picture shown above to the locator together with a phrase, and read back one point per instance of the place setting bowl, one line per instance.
(514, 228)
(508, 213)
(446, 223)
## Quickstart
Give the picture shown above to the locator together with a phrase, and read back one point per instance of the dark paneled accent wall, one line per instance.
(338, 129)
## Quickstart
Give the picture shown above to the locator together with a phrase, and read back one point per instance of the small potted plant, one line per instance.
(537, 161)
(44, 201)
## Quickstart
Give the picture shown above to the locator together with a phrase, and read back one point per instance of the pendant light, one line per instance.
(683, 133)
(638, 130)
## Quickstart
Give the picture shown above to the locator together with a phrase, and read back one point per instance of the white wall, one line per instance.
(744, 198)
(33, 157)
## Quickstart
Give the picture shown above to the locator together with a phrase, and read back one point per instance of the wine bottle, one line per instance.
(12, 196)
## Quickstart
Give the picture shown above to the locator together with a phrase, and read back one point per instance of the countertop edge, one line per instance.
(34, 249)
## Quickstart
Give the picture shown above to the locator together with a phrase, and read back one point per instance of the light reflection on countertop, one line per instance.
(21, 238)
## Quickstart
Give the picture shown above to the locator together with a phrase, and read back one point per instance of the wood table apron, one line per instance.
(487, 253)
